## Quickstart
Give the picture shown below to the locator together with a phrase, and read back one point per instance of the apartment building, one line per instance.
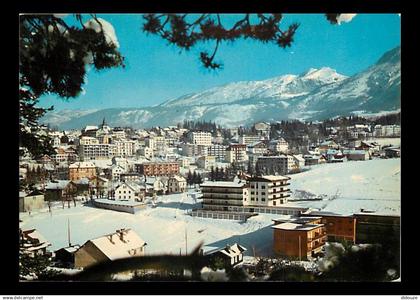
(272, 165)
(223, 195)
(236, 153)
(97, 151)
(268, 191)
(218, 151)
(199, 138)
(125, 148)
(81, 170)
(299, 238)
(157, 168)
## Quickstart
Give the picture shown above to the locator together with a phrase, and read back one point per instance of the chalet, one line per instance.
(230, 255)
(156, 185)
(59, 190)
(116, 171)
(32, 201)
(123, 243)
(99, 186)
(33, 243)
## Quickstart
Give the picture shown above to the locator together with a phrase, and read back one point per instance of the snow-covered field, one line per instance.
(348, 187)
(371, 184)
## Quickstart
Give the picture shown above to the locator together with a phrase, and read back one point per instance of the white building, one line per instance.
(129, 191)
(125, 148)
(249, 139)
(97, 151)
(116, 172)
(268, 191)
(280, 145)
(177, 184)
(199, 138)
(236, 153)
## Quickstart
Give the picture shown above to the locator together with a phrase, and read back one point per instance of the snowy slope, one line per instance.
(314, 95)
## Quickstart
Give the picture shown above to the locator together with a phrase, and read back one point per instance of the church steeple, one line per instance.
(103, 123)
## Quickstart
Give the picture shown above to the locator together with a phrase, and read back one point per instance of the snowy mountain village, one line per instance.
(288, 193)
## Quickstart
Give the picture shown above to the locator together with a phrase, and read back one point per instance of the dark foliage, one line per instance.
(52, 60)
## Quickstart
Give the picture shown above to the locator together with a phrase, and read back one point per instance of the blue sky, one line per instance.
(156, 72)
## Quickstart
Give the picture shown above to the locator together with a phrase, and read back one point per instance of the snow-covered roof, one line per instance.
(119, 244)
(58, 185)
(33, 238)
(178, 178)
(231, 184)
(22, 194)
(82, 164)
(91, 127)
(296, 226)
(269, 178)
(231, 251)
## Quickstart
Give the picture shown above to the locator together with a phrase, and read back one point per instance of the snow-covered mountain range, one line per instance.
(314, 95)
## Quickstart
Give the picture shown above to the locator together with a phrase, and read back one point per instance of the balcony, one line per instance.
(317, 237)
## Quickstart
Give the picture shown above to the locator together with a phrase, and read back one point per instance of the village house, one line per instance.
(177, 184)
(124, 243)
(231, 255)
(116, 171)
(99, 186)
(32, 201)
(300, 238)
(59, 190)
(268, 190)
(31, 242)
(392, 152)
(129, 191)
(80, 170)
(156, 185)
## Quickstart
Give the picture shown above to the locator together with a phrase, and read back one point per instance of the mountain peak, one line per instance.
(324, 74)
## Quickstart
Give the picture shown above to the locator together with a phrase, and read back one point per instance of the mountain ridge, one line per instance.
(312, 95)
